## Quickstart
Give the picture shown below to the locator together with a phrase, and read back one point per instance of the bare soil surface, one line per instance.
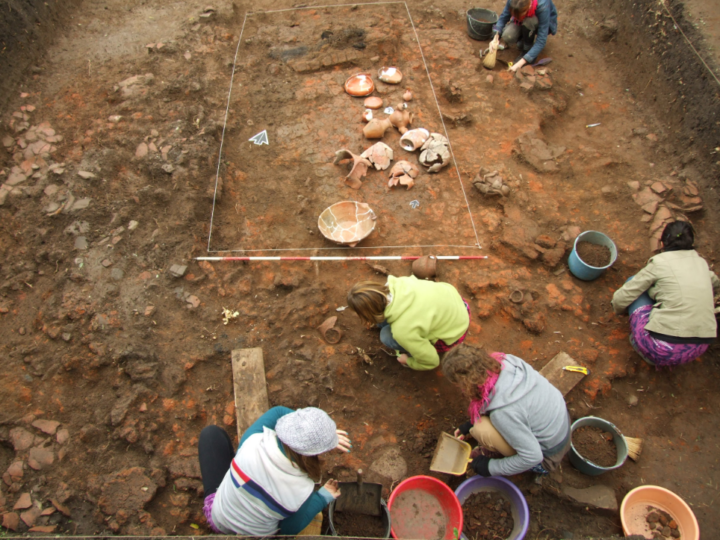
(114, 350)
(595, 445)
(351, 524)
(487, 515)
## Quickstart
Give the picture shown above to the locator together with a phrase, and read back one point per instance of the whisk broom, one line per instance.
(491, 55)
(634, 447)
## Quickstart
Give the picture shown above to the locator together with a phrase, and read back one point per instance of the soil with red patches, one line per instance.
(595, 445)
(109, 159)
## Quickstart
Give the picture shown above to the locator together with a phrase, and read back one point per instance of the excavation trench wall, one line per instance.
(664, 73)
(27, 28)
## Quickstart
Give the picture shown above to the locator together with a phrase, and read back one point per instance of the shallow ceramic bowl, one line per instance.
(634, 509)
(347, 222)
(360, 85)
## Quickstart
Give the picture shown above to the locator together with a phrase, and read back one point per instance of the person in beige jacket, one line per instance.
(671, 301)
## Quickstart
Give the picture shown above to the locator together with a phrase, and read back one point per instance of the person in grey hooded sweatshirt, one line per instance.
(518, 418)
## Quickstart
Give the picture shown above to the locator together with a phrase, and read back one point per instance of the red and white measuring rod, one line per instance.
(370, 258)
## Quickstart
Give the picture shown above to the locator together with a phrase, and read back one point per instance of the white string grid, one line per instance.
(437, 104)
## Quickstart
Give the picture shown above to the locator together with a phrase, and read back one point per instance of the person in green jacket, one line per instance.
(670, 301)
(419, 319)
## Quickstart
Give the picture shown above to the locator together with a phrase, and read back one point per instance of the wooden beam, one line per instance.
(251, 399)
(559, 378)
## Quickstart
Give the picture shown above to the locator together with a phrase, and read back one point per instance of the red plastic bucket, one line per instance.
(424, 508)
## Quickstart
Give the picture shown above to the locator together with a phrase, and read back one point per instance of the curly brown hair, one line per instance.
(467, 366)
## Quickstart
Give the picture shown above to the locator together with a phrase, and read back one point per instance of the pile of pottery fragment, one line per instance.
(434, 149)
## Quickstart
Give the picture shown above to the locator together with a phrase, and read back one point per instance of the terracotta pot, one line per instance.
(360, 85)
(390, 75)
(414, 139)
(408, 95)
(367, 115)
(373, 102)
(376, 128)
(404, 174)
(425, 267)
(401, 118)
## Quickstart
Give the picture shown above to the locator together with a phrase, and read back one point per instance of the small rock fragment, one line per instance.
(177, 270)
(86, 175)
(23, 502)
(46, 426)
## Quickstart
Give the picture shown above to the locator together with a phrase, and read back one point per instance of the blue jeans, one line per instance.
(642, 300)
(387, 338)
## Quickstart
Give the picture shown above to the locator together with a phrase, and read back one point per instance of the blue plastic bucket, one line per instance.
(581, 269)
(588, 467)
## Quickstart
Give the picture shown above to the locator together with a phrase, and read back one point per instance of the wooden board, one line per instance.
(251, 399)
(560, 379)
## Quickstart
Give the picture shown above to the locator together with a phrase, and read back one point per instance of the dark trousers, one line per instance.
(215, 450)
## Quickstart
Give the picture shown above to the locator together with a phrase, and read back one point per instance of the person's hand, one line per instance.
(520, 63)
(332, 488)
(403, 358)
(459, 435)
(481, 465)
(463, 430)
(344, 444)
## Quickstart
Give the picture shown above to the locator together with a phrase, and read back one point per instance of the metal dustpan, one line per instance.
(359, 497)
(451, 455)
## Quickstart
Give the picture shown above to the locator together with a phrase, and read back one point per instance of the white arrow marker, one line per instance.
(260, 138)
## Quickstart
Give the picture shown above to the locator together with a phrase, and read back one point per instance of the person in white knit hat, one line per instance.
(267, 486)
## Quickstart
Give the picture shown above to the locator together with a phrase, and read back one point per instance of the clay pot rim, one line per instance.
(384, 68)
(359, 76)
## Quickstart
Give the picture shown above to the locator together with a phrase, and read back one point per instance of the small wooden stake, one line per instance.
(251, 399)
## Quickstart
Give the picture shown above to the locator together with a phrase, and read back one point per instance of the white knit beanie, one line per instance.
(308, 431)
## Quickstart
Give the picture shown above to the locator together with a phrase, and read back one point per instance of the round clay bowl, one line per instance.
(390, 75)
(634, 509)
(347, 222)
(360, 85)
(373, 103)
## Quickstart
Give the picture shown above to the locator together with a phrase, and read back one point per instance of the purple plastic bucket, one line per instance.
(520, 511)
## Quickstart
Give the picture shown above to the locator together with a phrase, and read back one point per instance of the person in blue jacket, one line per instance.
(527, 23)
(267, 487)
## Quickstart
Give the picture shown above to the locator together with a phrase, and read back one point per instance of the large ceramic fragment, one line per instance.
(435, 153)
(358, 168)
(414, 139)
(403, 173)
(380, 155)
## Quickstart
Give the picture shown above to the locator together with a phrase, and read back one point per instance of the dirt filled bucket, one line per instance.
(582, 463)
(583, 269)
(480, 23)
(356, 521)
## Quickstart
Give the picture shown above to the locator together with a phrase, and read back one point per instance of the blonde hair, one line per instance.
(468, 368)
(310, 465)
(369, 299)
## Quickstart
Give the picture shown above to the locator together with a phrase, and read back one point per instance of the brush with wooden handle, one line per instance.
(491, 56)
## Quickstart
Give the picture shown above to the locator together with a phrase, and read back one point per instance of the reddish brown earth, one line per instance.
(595, 445)
(129, 362)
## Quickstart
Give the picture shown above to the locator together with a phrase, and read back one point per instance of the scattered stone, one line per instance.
(106, 263)
(489, 79)
(571, 233)
(150, 311)
(632, 400)
(640, 132)
(659, 188)
(141, 151)
(390, 464)
(46, 426)
(14, 472)
(598, 496)
(193, 301)
(646, 196)
(8, 142)
(49, 511)
(81, 243)
(117, 274)
(40, 458)
(168, 168)
(30, 516)
(60, 508)
(132, 225)
(80, 204)
(21, 439)
(537, 153)
(23, 502)
(11, 520)
(62, 436)
(177, 270)
(85, 175)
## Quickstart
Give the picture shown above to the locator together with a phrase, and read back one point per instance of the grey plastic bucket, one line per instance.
(588, 467)
(579, 268)
(480, 23)
(385, 517)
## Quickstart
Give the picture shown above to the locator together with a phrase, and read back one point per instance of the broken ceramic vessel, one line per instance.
(373, 102)
(408, 95)
(401, 118)
(404, 174)
(390, 75)
(414, 139)
(380, 155)
(347, 222)
(490, 183)
(425, 267)
(329, 333)
(360, 85)
(435, 153)
(376, 128)
(367, 115)
(357, 171)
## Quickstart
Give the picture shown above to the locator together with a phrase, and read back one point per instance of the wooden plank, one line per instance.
(251, 399)
(560, 379)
